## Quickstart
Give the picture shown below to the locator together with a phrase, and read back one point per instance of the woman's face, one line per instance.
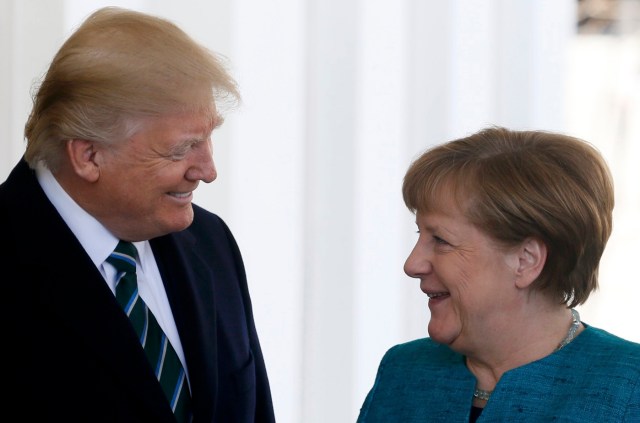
(468, 278)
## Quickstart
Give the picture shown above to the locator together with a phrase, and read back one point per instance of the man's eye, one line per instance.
(179, 154)
(439, 240)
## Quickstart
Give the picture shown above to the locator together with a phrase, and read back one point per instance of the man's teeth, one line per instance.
(180, 194)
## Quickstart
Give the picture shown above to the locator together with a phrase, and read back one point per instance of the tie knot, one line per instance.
(123, 257)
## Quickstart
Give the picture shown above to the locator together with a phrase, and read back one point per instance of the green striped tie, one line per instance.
(161, 354)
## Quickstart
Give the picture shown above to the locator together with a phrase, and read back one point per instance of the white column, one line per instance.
(329, 211)
(28, 42)
(265, 173)
(382, 301)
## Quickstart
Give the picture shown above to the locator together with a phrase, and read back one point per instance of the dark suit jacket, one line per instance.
(72, 355)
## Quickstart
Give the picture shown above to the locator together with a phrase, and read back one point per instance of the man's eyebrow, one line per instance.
(217, 121)
(184, 145)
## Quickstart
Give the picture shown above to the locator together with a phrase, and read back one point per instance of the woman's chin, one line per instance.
(440, 334)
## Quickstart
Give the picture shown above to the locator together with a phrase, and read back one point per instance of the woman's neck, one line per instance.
(522, 339)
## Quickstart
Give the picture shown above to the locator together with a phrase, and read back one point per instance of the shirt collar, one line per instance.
(97, 241)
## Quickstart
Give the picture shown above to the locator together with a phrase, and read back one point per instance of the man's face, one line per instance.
(146, 183)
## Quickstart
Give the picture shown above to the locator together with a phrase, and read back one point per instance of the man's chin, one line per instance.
(178, 223)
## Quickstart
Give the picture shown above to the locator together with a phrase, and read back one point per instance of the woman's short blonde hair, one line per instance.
(518, 184)
(117, 67)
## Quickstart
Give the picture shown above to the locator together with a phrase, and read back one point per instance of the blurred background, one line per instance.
(338, 97)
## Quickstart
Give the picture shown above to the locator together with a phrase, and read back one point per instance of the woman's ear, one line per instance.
(532, 255)
(82, 156)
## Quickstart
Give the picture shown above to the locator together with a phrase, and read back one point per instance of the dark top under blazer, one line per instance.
(70, 352)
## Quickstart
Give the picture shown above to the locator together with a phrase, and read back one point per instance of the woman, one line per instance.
(512, 225)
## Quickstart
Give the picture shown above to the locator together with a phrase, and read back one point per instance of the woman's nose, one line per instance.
(417, 263)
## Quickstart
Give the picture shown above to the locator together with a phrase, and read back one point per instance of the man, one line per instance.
(118, 139)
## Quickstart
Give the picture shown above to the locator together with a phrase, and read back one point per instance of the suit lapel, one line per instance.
(83, 303)
(89, 308)
(188, 283)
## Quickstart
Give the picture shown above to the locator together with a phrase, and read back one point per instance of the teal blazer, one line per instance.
(595, 378)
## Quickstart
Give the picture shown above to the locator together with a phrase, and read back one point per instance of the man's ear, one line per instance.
(532, 255)
(82, 155)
